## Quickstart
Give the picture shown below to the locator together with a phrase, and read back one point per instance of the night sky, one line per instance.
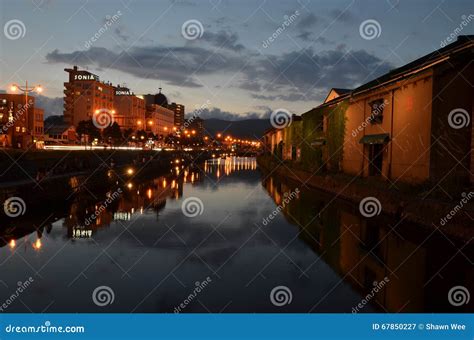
(229, 60)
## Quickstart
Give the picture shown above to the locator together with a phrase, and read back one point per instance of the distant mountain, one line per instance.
(248, 128)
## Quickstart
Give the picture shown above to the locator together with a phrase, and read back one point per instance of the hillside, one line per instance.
(249, 128)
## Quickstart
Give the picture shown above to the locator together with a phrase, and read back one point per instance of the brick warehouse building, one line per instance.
(413, 124)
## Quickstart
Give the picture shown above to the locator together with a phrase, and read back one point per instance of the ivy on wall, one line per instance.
(327, 156)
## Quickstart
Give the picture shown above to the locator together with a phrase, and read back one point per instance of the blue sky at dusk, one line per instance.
(227, 64)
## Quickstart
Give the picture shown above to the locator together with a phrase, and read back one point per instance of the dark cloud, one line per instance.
(307, 21)
(180, 66)
(51, 106)
(223, 39)
(305, 74)
(342, 15)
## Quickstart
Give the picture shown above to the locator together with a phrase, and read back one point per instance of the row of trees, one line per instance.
(113, 134)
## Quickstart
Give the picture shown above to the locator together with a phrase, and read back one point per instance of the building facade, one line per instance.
(16, 120)
(412, 125)
(179, 112)
(130, 109)
(159, 120)
(84, 94)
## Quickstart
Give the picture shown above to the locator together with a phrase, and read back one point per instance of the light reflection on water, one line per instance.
(151, 255)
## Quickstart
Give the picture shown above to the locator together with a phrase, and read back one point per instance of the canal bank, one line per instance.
(453, 219)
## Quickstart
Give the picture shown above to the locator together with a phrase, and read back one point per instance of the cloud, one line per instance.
(305, 74)
(223, 39)
(307, 21)
(180, 66)
(342, 15)
(51, 106)
(309, 74)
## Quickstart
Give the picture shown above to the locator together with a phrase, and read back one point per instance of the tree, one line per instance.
(86, 127)
(113, 133)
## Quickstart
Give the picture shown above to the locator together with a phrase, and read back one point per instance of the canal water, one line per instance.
(221, 237)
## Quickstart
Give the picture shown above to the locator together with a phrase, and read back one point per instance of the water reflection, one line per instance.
(419, 266)
(151, 255)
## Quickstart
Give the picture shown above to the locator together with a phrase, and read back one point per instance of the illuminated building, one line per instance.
(84, 94)
(17, 120)
(179, 112)
(130, 109)
(159, 120)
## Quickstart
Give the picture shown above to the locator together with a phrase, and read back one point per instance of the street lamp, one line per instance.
(26, 89)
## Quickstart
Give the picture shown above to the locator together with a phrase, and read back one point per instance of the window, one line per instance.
(376, 114)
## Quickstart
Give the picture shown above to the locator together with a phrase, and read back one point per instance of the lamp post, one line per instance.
(26, 90)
